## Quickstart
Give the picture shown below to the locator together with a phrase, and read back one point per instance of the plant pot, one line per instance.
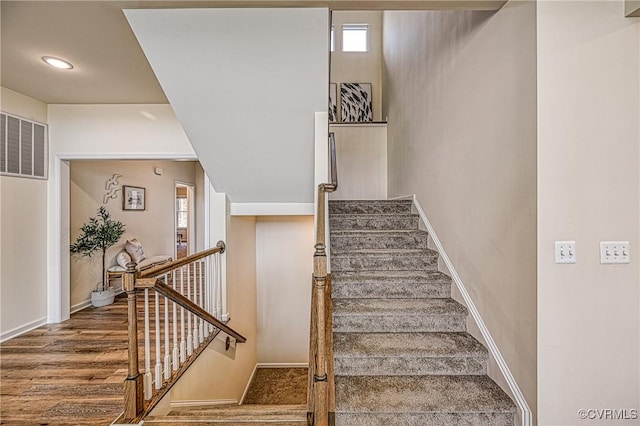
(102, 298)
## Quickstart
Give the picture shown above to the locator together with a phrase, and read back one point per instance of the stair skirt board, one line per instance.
(494, 352)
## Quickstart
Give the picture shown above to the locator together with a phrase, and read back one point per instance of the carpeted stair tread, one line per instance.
(385, 260)
(394, 354)
(418, 307)
(378, 239)
(398, 315)
(389, 277)
(373, 222)
(353, 345)
(420, 394)
(337, 207)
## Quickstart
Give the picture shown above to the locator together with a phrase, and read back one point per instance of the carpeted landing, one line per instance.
(402, 353)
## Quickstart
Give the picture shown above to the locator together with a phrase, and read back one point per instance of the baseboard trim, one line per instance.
(491, 344)
(246, 388)
(80, 306)
(17, 331)
(87, 303)
(202, 403)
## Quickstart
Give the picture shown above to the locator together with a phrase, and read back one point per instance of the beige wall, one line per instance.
(460, 94)
(154, 227)
(23, 226)
(361, 152)
(284, 256)
(215, 376)
(359, 67)
(588, 191)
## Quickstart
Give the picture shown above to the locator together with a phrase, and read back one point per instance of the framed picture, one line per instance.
(333, 103)
(355, 102)
(133, 198)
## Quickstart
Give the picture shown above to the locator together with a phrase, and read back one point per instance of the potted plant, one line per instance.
(98, 235)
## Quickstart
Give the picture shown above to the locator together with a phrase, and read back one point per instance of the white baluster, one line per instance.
(194, 283)
(189, 329)
(147, 349)
(158, 375)
(183, 342)
(201, 282)
(220, 283)
(167, 342)
(176, 350)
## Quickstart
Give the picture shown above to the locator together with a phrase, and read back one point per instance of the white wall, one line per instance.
(23, 226)
(361, 152)
(245, 84)
(154, 227)
(284, 256)
(359, 67)
(460, 94)
(97, 132)
(215, 376)
(588, 191)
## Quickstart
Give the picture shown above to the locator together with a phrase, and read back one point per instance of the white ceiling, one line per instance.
(109, 65)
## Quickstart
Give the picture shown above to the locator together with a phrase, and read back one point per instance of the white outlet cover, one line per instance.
(565, 252)
(614, 252)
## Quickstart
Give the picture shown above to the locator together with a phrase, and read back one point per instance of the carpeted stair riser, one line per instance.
(382, 260)
(361, 354)
(370, 207)
(389, 222)
(390, 284)
(359, 240)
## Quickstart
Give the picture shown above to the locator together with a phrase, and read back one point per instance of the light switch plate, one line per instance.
(614, 252)
(565, 252)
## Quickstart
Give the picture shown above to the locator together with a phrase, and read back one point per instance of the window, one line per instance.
(355, 38)
(181, 212)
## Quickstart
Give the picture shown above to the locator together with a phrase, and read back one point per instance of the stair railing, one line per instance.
(178, 321)
(321, 388)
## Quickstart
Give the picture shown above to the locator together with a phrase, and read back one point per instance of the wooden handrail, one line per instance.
(320, 384)
(165, 290)
(170, 266)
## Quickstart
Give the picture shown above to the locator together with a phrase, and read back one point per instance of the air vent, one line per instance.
(23, 147)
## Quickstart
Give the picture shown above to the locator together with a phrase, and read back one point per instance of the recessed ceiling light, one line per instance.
(57, 62)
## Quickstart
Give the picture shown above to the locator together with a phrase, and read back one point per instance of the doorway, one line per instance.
(184, 223)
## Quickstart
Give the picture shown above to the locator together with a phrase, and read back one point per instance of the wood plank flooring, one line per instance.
(67, 374)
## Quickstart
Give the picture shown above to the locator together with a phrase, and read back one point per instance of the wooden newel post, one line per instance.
(321, 408)
(133, 384)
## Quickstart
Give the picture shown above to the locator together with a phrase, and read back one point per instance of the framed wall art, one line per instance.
(133, 198)
(333, 103)
(355, 102)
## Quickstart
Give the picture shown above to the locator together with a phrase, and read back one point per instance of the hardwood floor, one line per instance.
(67, 374)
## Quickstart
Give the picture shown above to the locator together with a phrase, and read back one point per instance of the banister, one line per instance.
(166, 267)
(165, 290)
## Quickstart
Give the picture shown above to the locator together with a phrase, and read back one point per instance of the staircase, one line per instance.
(402, 354)
(235, 415)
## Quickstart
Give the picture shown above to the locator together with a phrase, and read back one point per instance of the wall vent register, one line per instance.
(23, 147)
